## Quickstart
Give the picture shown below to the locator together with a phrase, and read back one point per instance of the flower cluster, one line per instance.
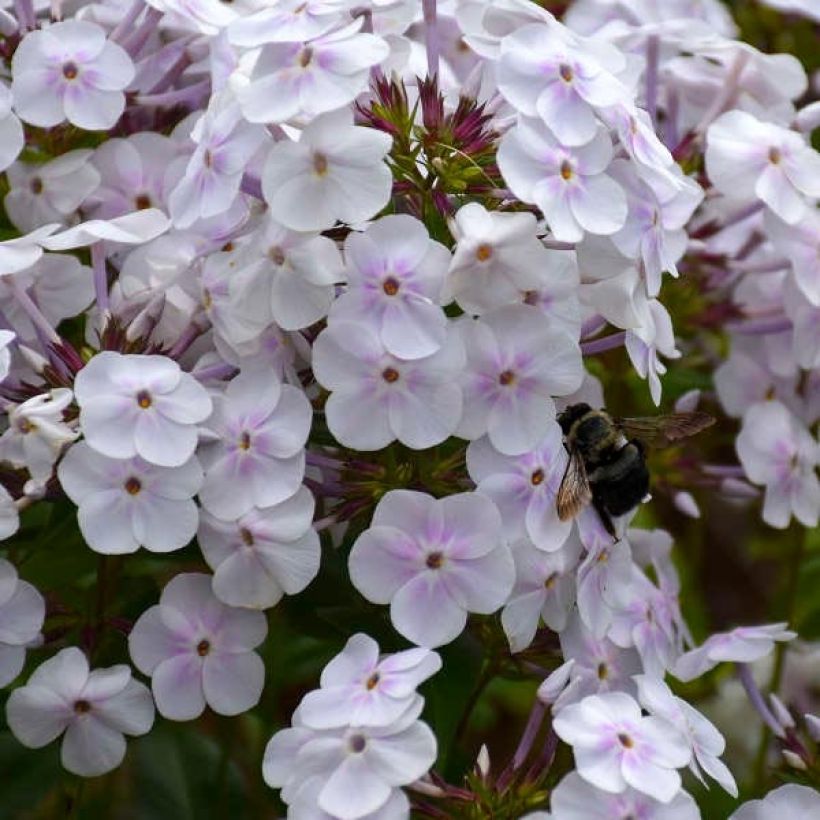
(309, 314)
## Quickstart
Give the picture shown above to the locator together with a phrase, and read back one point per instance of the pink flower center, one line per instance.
(144, 399)
(70, 71)
(142, 202)
(566, 72)
(603, 671)
(36, 185)
(305, 57)
(537, 477)
(566, 171)
(625, 740)
(132, 486)
(774, 156)
(483, 252)
(203, 648)
(506, 378)
(357, 744)
(390, 375)
(391, 286)
(372, 682)
(82, 706)
(434, 560)
(550, 582)
(319, 164)
(277, 256)
(245, 441)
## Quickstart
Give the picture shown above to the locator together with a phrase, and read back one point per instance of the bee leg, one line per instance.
(606, 518)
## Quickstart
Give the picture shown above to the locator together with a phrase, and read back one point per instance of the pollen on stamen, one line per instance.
(390, 375)
(276, 255)
(132, 486)
(625, 740)
(483, 252)
(203, 648)
(70, 71)
(390, 286)
(245, 440)
(36, 185)
(319, 164)
(434, 560)
(566, 73)
(305, 56)
(142, 202)
(81, 707)
(372, 682)
(566, 171)
(247, 537)
(357, 743)
(144, 399)
(550, 582)
(506, 378)
(537, 477)
(775, 156)
(603, 671)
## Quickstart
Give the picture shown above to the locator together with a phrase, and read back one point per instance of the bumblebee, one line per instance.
(607, 458)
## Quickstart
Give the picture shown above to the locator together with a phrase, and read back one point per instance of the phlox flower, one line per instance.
(37, 433)
(333, 173)
(298, 271)
(70, 71)
(94, 709)
(745, 644)
(747, 159)
(616, 747)
(9, 516)
(361, 688)
(515, 363)
(206, 17)
(575, 799)
(777, 451)
(801, 244)
(524, 487)
(133, 228)
(132, 174)
(377, 398)
(546, 71)
(199, 651)
(645, 344)
(128, 503)
(304, 79)
(706, 741)
(433, 561)
(569, 185)
(140, 405)
(791, 800)
(41, 194)
(225, 144)
(499, 260)
(22, 612)
(395, 273)
(256, 456)
(544, 589)
(12, 138)
(6, 339)
(264, 554)
(289, 21)
(352, 771)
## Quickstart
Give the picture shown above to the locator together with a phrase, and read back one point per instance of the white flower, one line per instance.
(433, 561)
(352, 772)
(9, 516)
(12, 138)
(575, 799)
(749, 159)
(547, 71)
(791, 800)
(225, 144)
(334, 173)
(37, 433)
(568, 185)
(94, 709)
(41, 194)
(69, 70)
(499, 260)
(22, 612)
(6, 338)
(777, 451)
(129, 229)
(516, 362)
(289, 21)
(199, 651)
(258, 460)
(742, 645)
(377, 398)
(207, 17)
(395, 274)
(264, 554)
(615, 746)
(360, 688)
(646, 343)
(303, 79)
(140, 405)
(128, 503)
(544, 589)
(298, 271)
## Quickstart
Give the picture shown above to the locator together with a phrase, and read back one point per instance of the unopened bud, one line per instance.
(736, 488)
(808, 118)
(8, 24)
(555, 683)
(780, 712)
(33, 359)
(688, 401)
(794, 760)
(482, 762)
(685, 502)
(146, 320)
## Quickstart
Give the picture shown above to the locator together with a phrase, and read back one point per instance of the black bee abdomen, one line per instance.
(622, 483)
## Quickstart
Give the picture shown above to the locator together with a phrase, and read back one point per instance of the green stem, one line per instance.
(487, 674)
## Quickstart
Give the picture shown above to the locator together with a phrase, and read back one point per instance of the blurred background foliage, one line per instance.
(734, 570)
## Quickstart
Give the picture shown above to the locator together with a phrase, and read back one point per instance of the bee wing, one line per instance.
(661, 431)
(574, 492)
